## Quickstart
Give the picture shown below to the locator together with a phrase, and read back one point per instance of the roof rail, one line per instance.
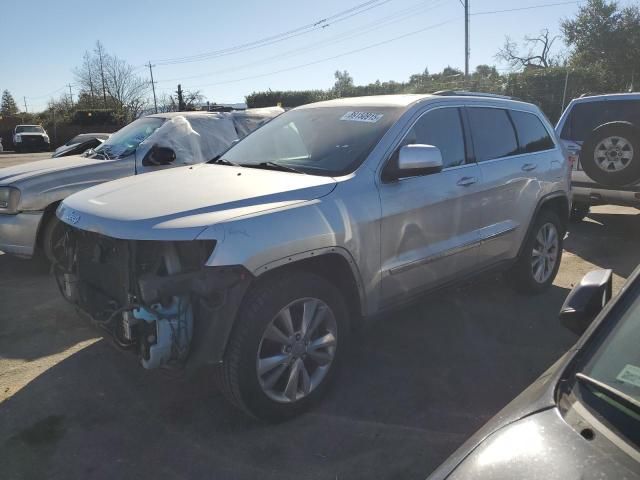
(465, 93)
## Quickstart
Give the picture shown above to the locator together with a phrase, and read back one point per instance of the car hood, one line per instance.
(179, 203)
(18, 173)
(543, 446)
(46, 182)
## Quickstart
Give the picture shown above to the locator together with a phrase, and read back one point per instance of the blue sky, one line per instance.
(43, 44)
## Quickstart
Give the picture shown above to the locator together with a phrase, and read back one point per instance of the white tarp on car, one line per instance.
(198, 138)
(195, 139)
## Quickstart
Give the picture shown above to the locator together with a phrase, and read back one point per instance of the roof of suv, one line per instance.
(609, 96)
(406, 100)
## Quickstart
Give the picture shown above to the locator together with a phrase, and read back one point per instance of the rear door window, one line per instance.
(584, 117)
(532, 134)
(492, 133)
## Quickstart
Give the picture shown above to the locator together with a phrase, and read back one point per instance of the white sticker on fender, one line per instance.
(366, 117)
(630, 374)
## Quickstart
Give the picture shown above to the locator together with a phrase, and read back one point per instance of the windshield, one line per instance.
(617, 362)
(328, 141)
(29, 129)
(125, 141)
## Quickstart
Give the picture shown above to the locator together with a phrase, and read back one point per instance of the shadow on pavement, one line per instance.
(416, 384)
(616, 234)
(34, 319)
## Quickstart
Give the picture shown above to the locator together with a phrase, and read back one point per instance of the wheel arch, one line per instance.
(335, 264)
(557, 202)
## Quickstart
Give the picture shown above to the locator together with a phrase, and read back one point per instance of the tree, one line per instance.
(486, 71)
(606, 37)
(8, 104)
(537, 52)
(344, 82)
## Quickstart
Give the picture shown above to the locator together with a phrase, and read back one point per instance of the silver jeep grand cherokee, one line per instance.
(261, 261)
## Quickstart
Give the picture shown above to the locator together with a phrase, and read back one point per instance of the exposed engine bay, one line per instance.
(149, 295)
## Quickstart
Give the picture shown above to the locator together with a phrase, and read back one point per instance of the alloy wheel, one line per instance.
(545, 252)
(297, 349)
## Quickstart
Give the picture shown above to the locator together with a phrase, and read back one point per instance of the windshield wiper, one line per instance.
(273, 166)
(218, 160)
(613, 393)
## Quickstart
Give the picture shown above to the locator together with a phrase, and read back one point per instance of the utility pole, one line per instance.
(70, 94)
(564, 93)
(153, 87)
(26, 110)
(466, 38)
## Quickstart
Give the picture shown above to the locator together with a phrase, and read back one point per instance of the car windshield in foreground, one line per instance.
(614, 370)
(125, 141)
(29, 129)
(329, 141)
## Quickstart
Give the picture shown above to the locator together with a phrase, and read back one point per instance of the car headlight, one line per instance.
(9, 199)
(18, 137)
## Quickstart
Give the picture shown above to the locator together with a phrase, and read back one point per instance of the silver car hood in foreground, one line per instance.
(543, 446)
(178, 204)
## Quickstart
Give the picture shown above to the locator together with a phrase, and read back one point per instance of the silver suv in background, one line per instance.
(603, 133)
(31, 192)
(259, 262)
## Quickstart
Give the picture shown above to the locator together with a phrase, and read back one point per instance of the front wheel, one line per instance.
(289, 336)
(539, 260)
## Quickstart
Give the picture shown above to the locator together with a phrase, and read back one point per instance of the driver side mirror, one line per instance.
(416, 159)
(586, 300)
(157, 156)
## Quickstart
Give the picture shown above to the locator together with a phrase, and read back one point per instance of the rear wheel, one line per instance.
(611, 155)
(579, 211)
(286, 345)
(540, 257)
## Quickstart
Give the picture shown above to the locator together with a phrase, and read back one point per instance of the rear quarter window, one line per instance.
(532, 134)
(584, 117)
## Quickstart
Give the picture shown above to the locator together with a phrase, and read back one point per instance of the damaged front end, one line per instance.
(156, 298)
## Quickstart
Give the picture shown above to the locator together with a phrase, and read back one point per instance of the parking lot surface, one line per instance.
(8, 159)
(416, 384)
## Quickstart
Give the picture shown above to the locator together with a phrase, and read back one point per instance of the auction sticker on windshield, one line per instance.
(366, 117)
(630, 374)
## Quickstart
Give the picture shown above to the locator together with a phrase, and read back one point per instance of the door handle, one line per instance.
(466, 181)
(527, 167)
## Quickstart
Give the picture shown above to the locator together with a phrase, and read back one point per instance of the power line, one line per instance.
(317, 25)
(362, 30)
(367, 47)
(530, 7)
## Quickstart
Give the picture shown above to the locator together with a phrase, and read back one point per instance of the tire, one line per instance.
(579, 211)
(524, 274)
(611, 154)
(50, 237)
(262, 308)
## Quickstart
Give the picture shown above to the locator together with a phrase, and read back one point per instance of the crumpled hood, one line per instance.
(179, 203)
(18, 173)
